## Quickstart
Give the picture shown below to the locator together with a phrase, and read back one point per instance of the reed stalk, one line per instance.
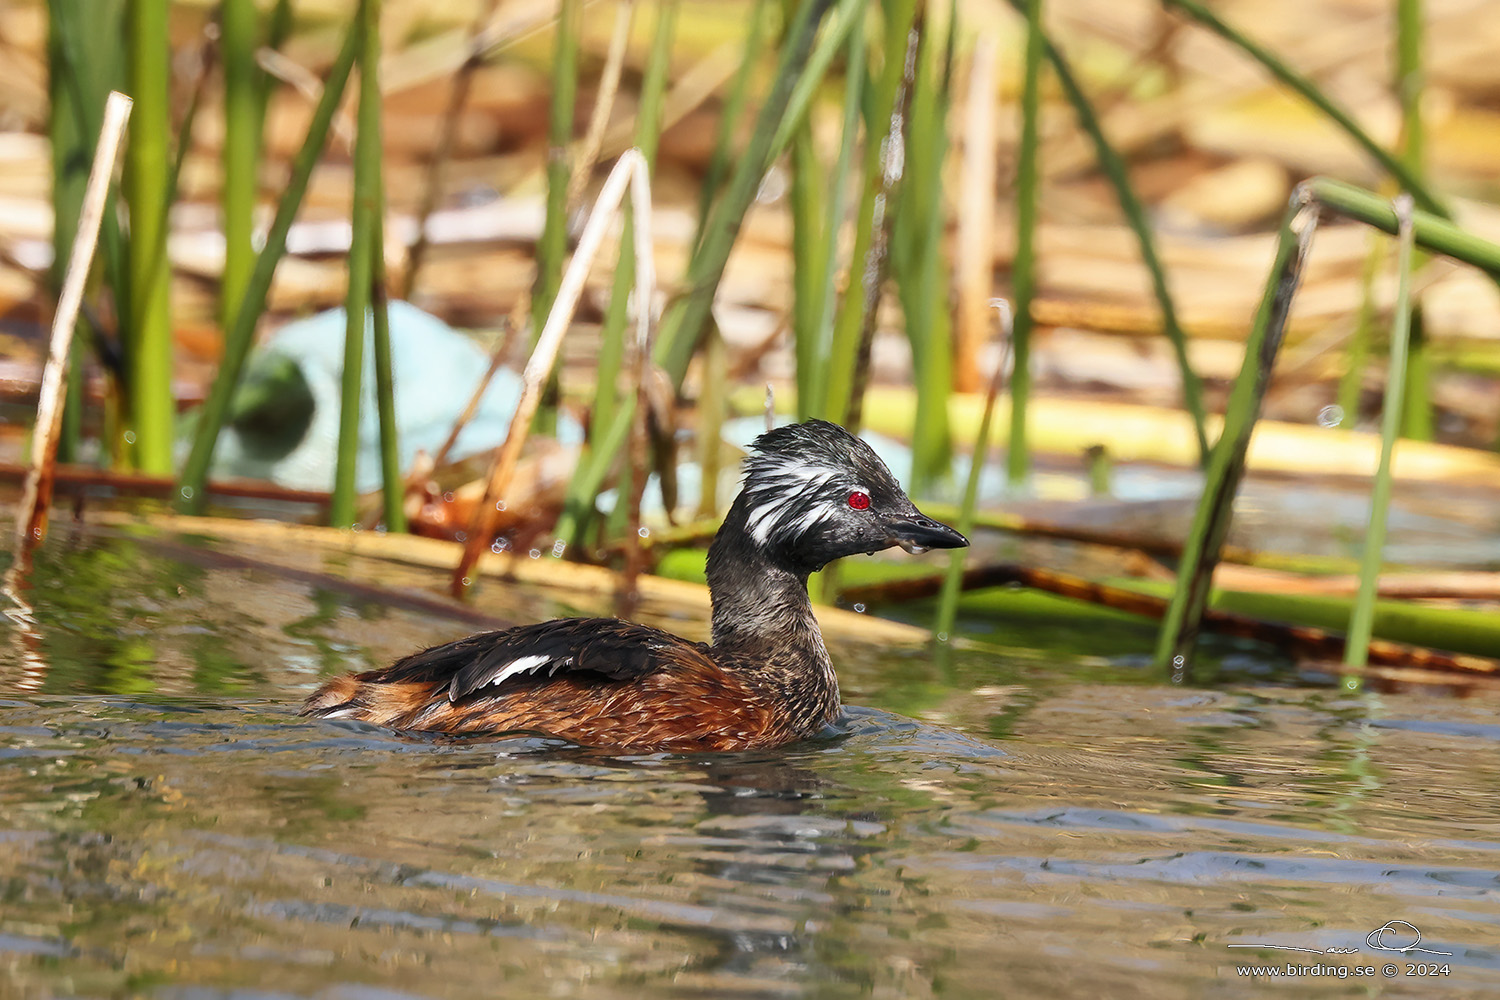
(686, 316)
(881, 167)
(432, 185)
(36, 495)
(919, 259)
(812, 229)
(629, 170)
(1118, 175)
(69, 176)
(1417, 418)
(818, 203)
(552, 247)
(238, 340)
(149, 349)
(953, 581)
(1362, 620)
(1226, 467)
(393, 494)
(1357, 353)
(239, 37)
(1309, 92)
(365, 229)
(682, 325)
(838, 200)
(91, 65)
(1023, 270)
(729, 117)
(1431, 232)
(647, 137)
(975, 251)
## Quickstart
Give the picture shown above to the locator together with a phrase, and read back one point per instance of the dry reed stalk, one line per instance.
(587, 152)
(458, 97)
(631, 169)
(976, 218)
(31, 520)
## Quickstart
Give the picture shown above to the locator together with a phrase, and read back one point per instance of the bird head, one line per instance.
(814, 493)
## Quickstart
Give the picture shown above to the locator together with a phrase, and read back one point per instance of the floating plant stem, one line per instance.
(1226, 467)
(1361, 621)
(238, 339)
(1023, 270)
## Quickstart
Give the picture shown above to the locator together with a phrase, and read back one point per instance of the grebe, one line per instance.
(812, 493)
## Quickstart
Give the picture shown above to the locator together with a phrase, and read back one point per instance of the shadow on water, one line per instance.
(170, 828)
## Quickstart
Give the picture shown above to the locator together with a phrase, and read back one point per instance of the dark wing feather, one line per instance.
(606, 647)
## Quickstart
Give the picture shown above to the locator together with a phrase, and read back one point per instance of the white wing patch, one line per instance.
(520, 665)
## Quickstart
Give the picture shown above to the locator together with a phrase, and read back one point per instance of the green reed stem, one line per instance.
(1417, 420)
(552, 248)
(647, 138)
(92, 64)
(70, 167)
(1118, 174)
(149, 352)
(237, 341)
(1023, 270)
(845, 17)
(683, 323)
(1226, 467)
(1310, 93)
(362, 249)
(393, 494)
(1431, 232)
(240, 35)
(729, 118)
(1356, 355)
(919, 260)
(811, 233)
(828, 265)
(953, 580)
(863, 292)
(684, 320)
(1362, 620)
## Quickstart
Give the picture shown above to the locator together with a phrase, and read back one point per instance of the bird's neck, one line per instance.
(762, 612)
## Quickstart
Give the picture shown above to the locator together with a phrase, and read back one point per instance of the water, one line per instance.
(1003, 825)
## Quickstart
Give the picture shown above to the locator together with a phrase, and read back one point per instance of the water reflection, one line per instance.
(169, 828)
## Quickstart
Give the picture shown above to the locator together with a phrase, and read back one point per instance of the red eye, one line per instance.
(859, 501)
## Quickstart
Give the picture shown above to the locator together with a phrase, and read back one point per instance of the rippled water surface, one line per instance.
(1004, 824)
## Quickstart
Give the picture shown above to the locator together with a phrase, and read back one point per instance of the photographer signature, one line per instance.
(1392, 935)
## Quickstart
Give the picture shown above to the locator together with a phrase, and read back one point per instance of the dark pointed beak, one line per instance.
(918, 533)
